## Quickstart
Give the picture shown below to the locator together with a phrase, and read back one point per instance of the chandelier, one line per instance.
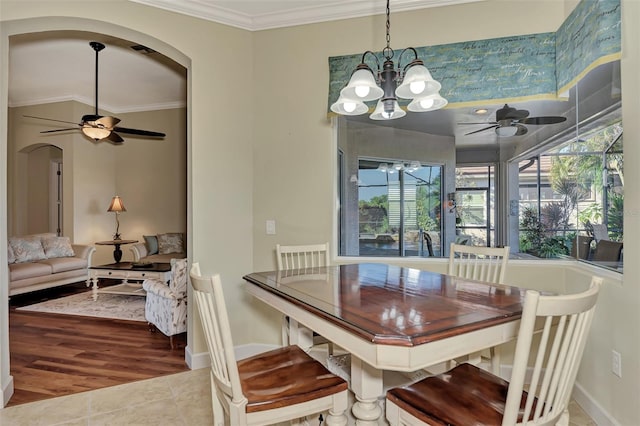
(413, 82)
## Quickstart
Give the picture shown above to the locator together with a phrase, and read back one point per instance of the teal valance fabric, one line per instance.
(508, 69)
(589, 37)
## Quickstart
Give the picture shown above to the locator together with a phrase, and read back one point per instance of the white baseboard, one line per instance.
(199, 360)
(7, 391)
(592, 408)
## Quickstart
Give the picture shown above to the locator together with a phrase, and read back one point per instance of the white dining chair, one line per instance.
(285, 384)
(469, 395)
(302, 256)
(480, 263)
(309, 256)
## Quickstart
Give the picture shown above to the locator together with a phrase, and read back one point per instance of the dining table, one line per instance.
(389, 318)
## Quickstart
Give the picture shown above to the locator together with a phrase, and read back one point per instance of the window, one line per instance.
(572, 196)
(398, 209)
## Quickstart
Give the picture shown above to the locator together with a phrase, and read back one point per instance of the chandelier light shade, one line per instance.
(117, 206)
(387, 110)
(427, 103)
(345, 106)
(386, 85)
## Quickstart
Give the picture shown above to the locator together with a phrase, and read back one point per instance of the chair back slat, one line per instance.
(215, 323)
(302, 256)
(478, 263)
(556, 360)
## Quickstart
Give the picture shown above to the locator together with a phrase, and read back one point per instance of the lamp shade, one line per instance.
(95, 133)
(381, 114)
(427, 103)
(362, 86)
(417, 82)
(345, 106)
(506, 131)
(116, 205)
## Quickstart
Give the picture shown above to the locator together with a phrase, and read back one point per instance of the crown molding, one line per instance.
(323, 12)
(112, 109)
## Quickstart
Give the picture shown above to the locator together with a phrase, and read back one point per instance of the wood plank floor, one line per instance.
(54, 355)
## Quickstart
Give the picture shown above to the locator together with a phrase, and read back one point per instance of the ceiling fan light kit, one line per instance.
(96, 126)
(413, 81)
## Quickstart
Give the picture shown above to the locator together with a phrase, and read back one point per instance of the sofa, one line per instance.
(42, 261)
(160, 248)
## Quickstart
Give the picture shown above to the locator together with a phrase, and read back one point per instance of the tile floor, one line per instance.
(182, 399)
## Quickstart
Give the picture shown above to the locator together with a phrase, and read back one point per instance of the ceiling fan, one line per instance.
(511, 122)
(99, 127)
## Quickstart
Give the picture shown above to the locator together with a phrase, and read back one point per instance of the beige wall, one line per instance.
(261, 97)
(149, 175)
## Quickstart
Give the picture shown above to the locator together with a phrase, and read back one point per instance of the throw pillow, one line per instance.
(11, 258)
(27, 249)
(151, 242)
(57, 247)
(170, 243)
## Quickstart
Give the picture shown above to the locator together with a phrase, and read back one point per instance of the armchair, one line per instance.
(166, 305)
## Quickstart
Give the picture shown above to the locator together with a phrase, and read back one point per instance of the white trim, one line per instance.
(202, 360)
(7, 392)
(292, 16)
(114, 110)
(590, 406)
(196, 361)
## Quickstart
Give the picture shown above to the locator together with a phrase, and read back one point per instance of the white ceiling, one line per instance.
(60, 66)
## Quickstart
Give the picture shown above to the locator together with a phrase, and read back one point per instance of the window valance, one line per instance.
(508, 69)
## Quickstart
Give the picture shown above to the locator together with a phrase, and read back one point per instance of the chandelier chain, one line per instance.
(388, 26)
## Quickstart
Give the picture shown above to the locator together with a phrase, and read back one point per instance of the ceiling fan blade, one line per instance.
(107, 122)
(114, 138)
(543, 120)
(51, 119)
(59, 130)
(484, 122)
(139, 132)
(481, 130)
(510, 113)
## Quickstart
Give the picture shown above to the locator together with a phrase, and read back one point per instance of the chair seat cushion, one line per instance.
(465, 395)
(283, 377)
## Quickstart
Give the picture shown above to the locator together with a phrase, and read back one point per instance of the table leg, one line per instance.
(117, 253)
(300, 335)
(366, 384)
(94, 289)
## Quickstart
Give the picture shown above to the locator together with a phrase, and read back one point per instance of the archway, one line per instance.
(37, 25)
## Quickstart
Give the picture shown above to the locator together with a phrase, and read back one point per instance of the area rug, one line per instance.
(114, 306)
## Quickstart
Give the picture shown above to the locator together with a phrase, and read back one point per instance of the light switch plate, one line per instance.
(271, 227)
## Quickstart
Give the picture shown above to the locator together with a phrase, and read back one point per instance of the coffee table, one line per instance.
(127, 271)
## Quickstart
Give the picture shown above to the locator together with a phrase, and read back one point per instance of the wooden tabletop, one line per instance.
(391, 305)
(127, 266)
(115, 242)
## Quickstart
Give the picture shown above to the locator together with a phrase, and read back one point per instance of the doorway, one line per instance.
(475, 204)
